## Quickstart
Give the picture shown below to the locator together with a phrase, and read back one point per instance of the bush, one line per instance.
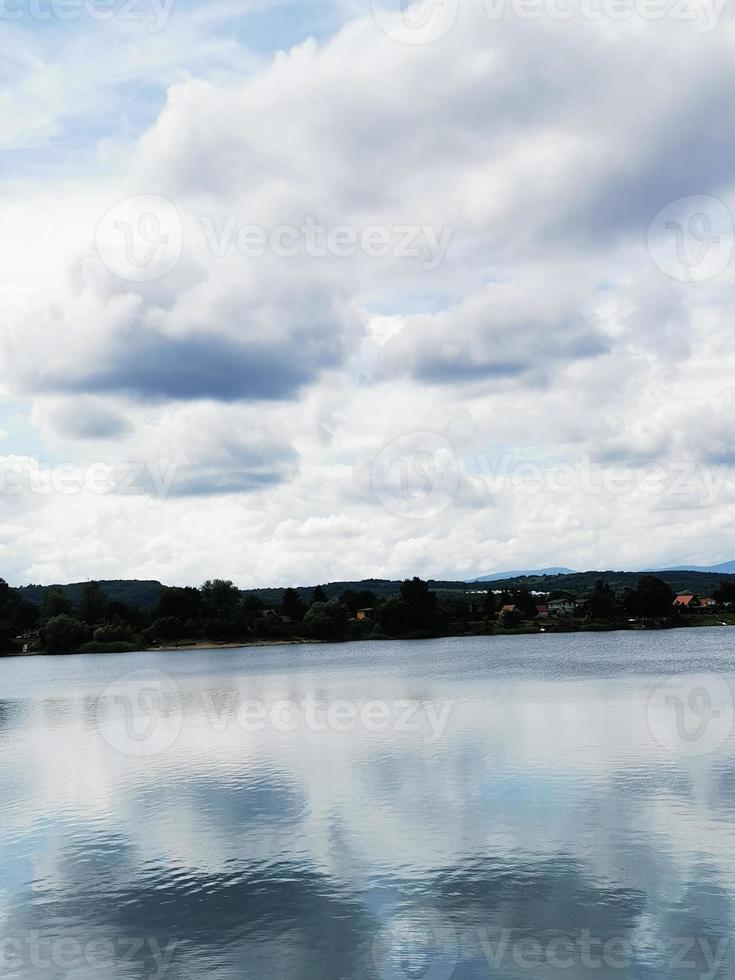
(118, 632)
(119, 646)
(270, 626)
(63, 634)
(327, 620)
(166, 628)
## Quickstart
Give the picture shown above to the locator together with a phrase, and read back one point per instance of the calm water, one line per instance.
(510, 807)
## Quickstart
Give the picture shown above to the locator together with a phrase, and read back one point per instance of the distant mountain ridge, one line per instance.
(724, 568)
(144, 594)
(518, 572)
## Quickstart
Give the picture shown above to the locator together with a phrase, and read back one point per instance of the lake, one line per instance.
(517, 806)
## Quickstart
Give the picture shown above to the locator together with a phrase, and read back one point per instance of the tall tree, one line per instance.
(655, 598)
(291, 606)
(55, 603)
(179, 603)
(602, 603)
(93, 603)
(220, 599)
(420, 604)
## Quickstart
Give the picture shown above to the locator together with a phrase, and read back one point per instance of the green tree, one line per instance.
(115, 632)
(220, 599)
(725, 593)
(489, 604)
(16, 611)
(358, 599)
(292, 607)
(93, 604)
(655, 598)
(525, 603)
(55, 603)
(602, 603)
(420, 603)
(319, 595)
(167, 628)
(327, 620)
(391, 616)
(63, 634)
(180, 603)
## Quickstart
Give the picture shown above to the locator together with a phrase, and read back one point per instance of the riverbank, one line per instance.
(545, 627)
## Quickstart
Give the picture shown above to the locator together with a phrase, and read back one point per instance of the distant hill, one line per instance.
(133, 592)
(582, 583)
(724, 568)
(515, 573)
(381, 587)
(144, 594)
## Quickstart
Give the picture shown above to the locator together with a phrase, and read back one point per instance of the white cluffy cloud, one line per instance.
(363, 300)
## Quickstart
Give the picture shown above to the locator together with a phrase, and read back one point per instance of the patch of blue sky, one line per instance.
(399, 303)
(17, 435)
(283, 25)
(74, 147)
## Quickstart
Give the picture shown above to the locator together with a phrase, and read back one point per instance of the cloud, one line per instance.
(547, 334)
(504, 332)
(201, 366)
(86, 418)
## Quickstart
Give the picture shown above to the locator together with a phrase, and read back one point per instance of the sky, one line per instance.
(295, 293)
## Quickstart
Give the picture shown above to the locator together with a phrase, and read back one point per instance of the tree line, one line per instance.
(218, 612)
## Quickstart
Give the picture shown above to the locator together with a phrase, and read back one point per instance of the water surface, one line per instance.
(530, 806)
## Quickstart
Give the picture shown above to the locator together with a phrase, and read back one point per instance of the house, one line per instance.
(542, 610)
(689, 602)
(686, 601)
(366, 613)
(561, 607)
(510, 608)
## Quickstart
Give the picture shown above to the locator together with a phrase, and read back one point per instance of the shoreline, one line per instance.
(554, 628)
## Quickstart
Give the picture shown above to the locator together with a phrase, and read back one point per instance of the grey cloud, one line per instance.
(212, 453)
(492, 336)
(152, 366)
(683, 154)
(236, 469)
(82, 421)
(469, 365)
